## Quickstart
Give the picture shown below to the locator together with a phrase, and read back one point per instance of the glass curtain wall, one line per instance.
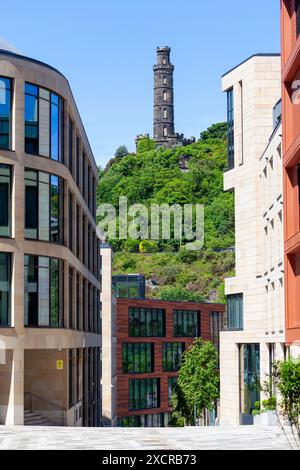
(5, 112)
(44, 204)
(5, 200)
(43, 303)
(43, 123)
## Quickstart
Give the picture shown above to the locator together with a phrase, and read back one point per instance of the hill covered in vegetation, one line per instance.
(184, 175)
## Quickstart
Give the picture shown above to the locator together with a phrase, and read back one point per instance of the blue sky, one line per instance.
(107, 50)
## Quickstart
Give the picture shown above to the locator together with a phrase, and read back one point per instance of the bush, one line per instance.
(148, 246)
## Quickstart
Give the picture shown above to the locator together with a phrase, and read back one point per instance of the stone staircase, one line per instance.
(32, 418)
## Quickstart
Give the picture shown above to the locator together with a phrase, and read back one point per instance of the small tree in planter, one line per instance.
(288, 383)
(286, 379)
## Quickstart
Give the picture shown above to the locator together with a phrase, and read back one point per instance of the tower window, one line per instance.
(164, 60)
(297, 8)
(164, 80)
(165, 113)
(165, 96)
(165, 131)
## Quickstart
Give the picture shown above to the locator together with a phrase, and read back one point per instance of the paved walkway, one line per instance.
(190, 438)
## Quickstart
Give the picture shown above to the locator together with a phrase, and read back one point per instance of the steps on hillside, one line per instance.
(32, 418)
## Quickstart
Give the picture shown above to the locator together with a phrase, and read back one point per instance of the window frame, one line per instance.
(10, 118)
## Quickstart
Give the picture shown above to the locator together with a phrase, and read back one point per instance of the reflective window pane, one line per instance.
(5, 113)
(5, 286)
(5, 200)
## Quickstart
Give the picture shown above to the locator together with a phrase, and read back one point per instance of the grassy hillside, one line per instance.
(155, 176)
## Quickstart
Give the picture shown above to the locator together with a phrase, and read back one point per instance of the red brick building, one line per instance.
(290, 49)
(151, 336)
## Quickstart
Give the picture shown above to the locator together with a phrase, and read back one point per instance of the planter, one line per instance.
(257, 420)
(266, 418)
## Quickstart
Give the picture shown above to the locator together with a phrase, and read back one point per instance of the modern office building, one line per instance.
(50, 326)
(131, 286)
(109, 340)
(151, 337)
(255, 312)
(290, 47)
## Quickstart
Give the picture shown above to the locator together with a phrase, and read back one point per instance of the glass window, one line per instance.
(216, 325)
(77, 161)
(71, 138)
(146, 322)
(249, 376)
(171, 382)
(230, 133)
(144, 394)
(172, 355)
(186, 323)
(137, 358)
(5, 112)
(72, 375)
(297, 8)
(5, 200)
(5, 286)
(71, 298)
(43, 296)
(43, 123)
(70, 221)
(235, 312)
(165, 114)
(44, 201)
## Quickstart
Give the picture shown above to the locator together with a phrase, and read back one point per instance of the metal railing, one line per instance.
(54, 413)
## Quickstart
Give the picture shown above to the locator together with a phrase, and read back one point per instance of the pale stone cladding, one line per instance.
(57, 368)
(109, 340)
(259, 257)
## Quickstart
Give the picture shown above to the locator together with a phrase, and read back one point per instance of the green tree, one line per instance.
(216, 131)
(121, 151)
(145, 145)
(198, 376)
(288, 383)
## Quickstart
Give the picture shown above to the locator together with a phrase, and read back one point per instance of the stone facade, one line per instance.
(109, 341)
(258, 228)
(36, 360)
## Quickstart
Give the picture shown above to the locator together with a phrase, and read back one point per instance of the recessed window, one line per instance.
(186, 323)
(138, 358)
(164, 61)
(297, 8)
(164, 80)
(172, 355)
(165, 113)
(249, 365)
(43, 123)
(5, 200)
(144, 394)
(230, 128)
(165, 96)
(165, 131)
(235, 313)
(43, 296)
(5, 112)
(5, 288)
(146, 322)
(43, 206)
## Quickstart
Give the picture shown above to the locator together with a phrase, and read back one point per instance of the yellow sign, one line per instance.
(59, 365)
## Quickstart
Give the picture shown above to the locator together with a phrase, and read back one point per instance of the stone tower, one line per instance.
(163, 129)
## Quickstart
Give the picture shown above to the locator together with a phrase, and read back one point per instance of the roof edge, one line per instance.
(53, 69)
(259, 54)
